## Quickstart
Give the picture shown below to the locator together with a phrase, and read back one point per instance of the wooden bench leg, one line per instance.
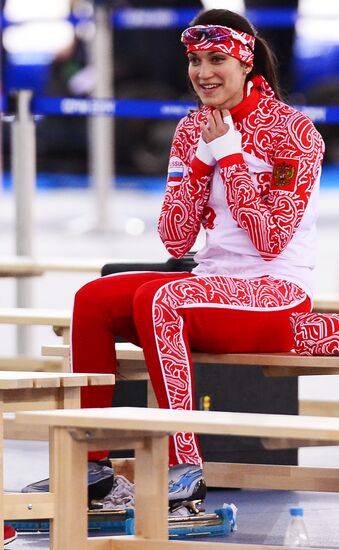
(151, 489)
(64, 332)
(69, 398)
(151, 399)
(68, 481)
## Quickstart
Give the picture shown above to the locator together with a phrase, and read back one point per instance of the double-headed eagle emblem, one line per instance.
(283, 174)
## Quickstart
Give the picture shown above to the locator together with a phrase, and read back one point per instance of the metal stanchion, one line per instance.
(23, 146)
(101, 128)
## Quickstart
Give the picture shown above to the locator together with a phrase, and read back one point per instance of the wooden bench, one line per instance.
(59, 320)
(131, 363)
(73, 433)
(131, 366)
(131, 360)
(21, 391)
(41, 390)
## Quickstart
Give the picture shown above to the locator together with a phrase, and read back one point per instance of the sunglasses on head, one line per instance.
(213, 33)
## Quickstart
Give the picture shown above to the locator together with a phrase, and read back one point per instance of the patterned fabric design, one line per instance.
(185, 200)
(260, 294)
(270, 214)
(271, 221)
(232, 47)
(316, 333)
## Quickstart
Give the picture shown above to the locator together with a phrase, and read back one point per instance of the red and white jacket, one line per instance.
(255, 193)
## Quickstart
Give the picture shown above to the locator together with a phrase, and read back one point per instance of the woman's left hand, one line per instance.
(216, 126)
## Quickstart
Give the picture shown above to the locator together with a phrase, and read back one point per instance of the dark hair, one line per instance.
(265, 61)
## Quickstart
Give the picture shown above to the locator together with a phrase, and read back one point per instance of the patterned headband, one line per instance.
(221, 39)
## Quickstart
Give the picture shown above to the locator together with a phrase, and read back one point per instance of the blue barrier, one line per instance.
(145, 18)
(110, 107)
(153, 18)
(137, 108)
(133, 18)
(3, 104)
(149, 108)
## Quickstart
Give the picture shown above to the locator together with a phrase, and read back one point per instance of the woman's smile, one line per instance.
(209, 88)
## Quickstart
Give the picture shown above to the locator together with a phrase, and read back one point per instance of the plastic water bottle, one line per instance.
(296, 535)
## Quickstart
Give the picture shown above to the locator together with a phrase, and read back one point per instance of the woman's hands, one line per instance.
(215, 127)
(218, 138)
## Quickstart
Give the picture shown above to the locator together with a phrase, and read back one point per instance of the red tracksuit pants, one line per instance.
(170, 314)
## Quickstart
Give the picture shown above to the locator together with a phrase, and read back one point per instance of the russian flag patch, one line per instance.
(176, 170)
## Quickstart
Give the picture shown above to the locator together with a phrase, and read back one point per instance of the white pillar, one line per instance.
(23, 159)
(101, 128)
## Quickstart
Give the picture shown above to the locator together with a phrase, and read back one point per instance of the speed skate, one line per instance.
(114, 512)
(186, 493)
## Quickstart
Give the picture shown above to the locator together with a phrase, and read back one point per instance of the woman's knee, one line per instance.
(89, 294)
(111, 295)
(144, 296)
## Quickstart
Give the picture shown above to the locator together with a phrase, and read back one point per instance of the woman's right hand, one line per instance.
(215, 127)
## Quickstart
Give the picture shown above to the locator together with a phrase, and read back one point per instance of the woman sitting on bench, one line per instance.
(245, 167)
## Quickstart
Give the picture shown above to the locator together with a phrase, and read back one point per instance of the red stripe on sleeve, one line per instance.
(200, 167)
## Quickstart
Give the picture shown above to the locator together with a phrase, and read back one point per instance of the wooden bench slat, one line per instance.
(97, 379)
(171, 421)
(61, 350)
(14, 266)
(268, 359)
(22, 380)
(118, 427)
(317, 407)
(18, 265)
(24, 363)
(128, 543)
(126, 351)
(61, 381)
(327, 304)
(33, 316)
(271, 476)
(70, 380)
(328, 367)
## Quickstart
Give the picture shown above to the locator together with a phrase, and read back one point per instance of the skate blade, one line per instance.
(192, 506)
(199, 519)
(219, 523)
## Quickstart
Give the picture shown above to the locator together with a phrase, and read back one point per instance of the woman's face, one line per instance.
(217, 78)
